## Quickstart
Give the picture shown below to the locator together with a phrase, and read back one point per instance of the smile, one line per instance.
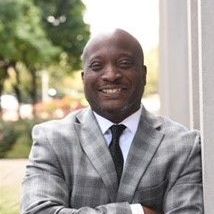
(111, 91)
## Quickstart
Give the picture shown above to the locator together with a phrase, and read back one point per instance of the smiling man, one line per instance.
(114, 75)
(113, 157)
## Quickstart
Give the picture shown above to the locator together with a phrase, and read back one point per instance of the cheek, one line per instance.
(90, 78)
(90, 91)
(88, 81)
(138, 86)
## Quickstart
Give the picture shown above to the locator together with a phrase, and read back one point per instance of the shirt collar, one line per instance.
(130, 122)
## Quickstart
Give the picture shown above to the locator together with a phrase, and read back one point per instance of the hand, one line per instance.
(149, 211)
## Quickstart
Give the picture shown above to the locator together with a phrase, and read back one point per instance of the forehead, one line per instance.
(111, 45)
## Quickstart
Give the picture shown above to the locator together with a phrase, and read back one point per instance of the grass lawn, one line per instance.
(10, 200)
(11, 176)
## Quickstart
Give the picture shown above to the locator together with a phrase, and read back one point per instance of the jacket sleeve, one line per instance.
(44, 187)
(185, 196)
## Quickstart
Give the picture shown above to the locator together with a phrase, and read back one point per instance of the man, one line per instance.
(76, 168)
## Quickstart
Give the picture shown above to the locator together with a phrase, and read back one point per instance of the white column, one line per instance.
(193, 63)
(206, 81)
(174, 78)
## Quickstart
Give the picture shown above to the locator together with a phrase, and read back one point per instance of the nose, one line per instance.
(111, 73)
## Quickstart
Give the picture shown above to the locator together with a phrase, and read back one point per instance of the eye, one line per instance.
(125, 63)
(96, 66)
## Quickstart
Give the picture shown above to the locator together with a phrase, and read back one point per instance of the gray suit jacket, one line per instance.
(70, 168)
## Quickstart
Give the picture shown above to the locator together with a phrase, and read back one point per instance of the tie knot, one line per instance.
(116, 131)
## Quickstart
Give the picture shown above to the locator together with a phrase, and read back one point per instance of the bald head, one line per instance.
(116, 36)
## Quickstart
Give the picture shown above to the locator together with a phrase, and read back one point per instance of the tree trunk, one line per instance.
(3, 76)
(17, 89)
(16, 86)
(1, 90)
(33, 92)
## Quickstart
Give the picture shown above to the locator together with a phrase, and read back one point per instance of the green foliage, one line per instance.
(21, 35)
(22, 39)
(15, 138)
(27, 37)
(7, 137)
(63, 22)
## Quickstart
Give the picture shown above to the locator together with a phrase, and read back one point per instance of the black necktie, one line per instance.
(115, 150)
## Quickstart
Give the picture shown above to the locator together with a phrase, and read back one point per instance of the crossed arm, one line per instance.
(45, 190)
(47, 193)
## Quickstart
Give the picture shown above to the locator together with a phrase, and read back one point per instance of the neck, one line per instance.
(116, 117)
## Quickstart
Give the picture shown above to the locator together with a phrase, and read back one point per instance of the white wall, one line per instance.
(174, 78)
(206, 84)
(187, 75)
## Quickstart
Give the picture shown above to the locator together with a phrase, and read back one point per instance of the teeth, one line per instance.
(111, 91)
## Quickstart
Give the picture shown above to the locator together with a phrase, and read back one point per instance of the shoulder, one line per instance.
(179, 141)
(174, 134)
(167, 126)
(59, 126)
(174, 129)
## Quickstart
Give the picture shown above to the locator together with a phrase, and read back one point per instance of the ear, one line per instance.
(144, 73)
(82, 75)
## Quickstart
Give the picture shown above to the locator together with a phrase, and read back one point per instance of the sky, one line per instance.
(139, 17)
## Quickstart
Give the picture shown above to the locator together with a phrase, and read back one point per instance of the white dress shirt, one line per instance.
(125, 140)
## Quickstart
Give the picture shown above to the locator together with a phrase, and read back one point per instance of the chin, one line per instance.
(113, 106)
(114, 110)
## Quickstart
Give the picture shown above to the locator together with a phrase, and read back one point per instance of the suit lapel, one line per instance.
(143, 148)
(94, 145)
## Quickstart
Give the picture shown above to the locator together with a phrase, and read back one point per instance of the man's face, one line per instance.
(114, 77)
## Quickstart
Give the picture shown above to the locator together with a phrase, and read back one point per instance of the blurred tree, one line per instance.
(6, 45)
(63, 22)
(22, 39)
(38, 51)
(40, 34)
